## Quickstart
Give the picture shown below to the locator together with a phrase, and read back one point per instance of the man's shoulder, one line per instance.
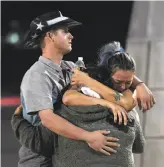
(37, 67)
(36, 70)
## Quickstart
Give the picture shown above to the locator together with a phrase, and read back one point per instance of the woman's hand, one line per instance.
(118, 112)
(80, 78)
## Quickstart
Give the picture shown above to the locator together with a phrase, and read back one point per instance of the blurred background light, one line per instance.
(13, 38)
(13, 35)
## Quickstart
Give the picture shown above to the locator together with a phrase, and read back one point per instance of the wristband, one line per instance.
(138, 84)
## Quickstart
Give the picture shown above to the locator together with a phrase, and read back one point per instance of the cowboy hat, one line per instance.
(45, 23)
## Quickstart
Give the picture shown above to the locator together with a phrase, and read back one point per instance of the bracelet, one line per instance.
(138, 84)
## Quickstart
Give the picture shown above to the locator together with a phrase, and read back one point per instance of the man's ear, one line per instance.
(49, 35)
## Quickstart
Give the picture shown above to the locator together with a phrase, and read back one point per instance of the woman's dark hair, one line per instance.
(111, 57)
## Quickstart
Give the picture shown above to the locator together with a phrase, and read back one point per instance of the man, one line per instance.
(44, 82)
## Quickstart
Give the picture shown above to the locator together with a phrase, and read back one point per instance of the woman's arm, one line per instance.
(73, 97)
(125, 100)
(144, 95)
(37, 138)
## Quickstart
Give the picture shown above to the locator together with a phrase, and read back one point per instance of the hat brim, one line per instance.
(32, 43)
(70, 23)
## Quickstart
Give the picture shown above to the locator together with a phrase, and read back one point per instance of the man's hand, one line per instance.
(18, 110)
(144, 97)
(101, 143)
(80, 78)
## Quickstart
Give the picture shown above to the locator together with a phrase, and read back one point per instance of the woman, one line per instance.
(119, 69)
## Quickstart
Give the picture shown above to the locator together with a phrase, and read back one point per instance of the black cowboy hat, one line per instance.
(45, 23)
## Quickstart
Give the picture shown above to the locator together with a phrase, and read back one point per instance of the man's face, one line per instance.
(122, 80)
(63, 40)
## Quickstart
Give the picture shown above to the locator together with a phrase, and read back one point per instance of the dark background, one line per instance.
(102, 22)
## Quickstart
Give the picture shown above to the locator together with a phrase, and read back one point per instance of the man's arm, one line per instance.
(96, 140)
(58, 125)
